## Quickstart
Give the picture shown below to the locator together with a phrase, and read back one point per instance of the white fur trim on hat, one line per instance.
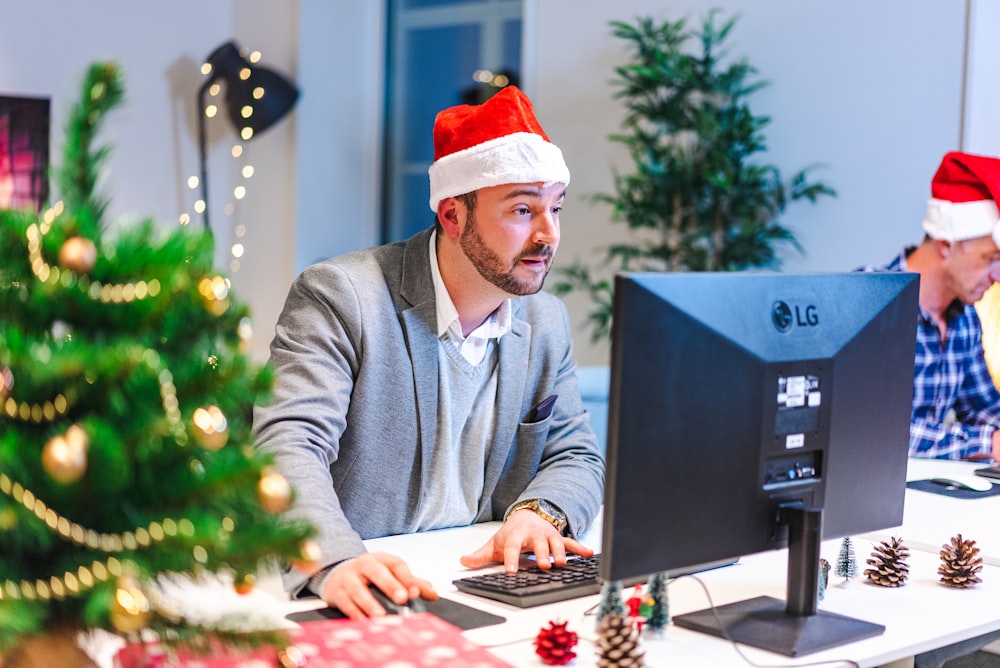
(520, 157)
(955, 221)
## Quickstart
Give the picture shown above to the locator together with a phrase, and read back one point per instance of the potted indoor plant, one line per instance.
(697, 198)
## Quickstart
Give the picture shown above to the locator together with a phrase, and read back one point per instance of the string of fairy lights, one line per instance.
(64, 455)
(238, 231)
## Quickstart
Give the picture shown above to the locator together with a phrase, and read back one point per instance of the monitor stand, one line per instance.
(795, 627)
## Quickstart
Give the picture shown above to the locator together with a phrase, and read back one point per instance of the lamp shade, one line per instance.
(256, 96)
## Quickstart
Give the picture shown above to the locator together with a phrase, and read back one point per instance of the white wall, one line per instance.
(982, 108)
(873, 90)
(340, 124)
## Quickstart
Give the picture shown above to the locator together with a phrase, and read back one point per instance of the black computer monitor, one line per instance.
(751, 412)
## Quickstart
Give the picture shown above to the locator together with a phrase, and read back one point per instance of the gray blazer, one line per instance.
(353, 413)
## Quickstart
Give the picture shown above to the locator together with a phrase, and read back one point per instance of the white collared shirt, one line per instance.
(449, 327)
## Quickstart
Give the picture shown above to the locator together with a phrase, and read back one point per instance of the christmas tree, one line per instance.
(847, 560)
(611, 600)
(125, 397)
(660, 615)
(824, 578)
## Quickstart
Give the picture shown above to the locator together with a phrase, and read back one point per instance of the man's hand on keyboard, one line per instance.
(347, 587)
(525, 531)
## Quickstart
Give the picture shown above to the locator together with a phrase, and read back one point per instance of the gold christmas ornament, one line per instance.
(77, 438)
(211, 429)
(64, 457)
(292, 657)
(130, 611)
(309, 556)
(6, 382)
(245, 584)
(274, 492)
(960, 563)
(78, 254)
(8, 519)
(215, 294)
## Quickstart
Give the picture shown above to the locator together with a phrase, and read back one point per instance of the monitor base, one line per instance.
(764, 622)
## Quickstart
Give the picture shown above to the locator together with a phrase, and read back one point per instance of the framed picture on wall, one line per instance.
(24, 152)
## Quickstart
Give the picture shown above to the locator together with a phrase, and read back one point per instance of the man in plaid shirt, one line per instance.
(956, 406)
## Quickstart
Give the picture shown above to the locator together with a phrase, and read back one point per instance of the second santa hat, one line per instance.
(491, 144)
(964, 194)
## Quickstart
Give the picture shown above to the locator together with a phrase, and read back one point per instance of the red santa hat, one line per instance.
(963, 202)
(490, 144)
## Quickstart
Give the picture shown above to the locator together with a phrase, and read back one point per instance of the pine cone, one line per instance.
(554, 644)
(960, 563)
(618, 643)
(889, 562)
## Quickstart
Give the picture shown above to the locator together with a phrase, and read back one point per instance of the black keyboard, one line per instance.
(533, 586)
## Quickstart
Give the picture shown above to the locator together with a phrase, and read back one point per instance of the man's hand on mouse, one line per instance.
(347, 587)
(525, 531)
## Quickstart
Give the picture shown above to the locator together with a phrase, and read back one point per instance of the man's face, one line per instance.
(512, 234)
(973, 266)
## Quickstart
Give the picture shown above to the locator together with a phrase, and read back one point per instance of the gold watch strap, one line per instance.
(554, 517)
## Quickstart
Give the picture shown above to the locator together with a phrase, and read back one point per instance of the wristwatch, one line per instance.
(543, 509)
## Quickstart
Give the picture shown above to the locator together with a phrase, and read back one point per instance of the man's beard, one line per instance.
(493, 268)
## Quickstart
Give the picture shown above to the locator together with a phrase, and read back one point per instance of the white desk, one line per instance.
(930, 520)
(918, 617)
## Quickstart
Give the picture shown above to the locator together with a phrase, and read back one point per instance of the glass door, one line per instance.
(440, 53)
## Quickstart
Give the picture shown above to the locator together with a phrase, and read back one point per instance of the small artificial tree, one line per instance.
(824, 578)
(611, 600)
(660, 616)
(847, 560)
(125, 395)
(696, 200)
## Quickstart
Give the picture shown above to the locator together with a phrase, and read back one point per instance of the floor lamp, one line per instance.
(256, 98)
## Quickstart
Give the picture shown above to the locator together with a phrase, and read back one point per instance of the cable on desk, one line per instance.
(592, 611)
(736, 646)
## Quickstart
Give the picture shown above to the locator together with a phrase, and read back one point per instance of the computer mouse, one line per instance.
(967, 483)
(393, 608)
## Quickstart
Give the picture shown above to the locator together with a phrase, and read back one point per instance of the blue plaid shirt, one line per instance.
(956, 406)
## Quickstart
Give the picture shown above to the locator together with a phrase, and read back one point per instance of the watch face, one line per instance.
(547, 507)
(556, 516)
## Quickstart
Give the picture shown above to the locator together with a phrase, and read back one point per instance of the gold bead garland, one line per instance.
(77, 534)
(168, 395)
(85, 577)
(57, 407)
(116, 293)
(69, 584)
(37, 413)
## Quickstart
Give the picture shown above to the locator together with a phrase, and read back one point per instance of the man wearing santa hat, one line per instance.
(956, 406)
(429, 383)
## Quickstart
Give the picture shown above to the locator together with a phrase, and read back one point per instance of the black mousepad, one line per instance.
(458, 614)
(934, 488)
